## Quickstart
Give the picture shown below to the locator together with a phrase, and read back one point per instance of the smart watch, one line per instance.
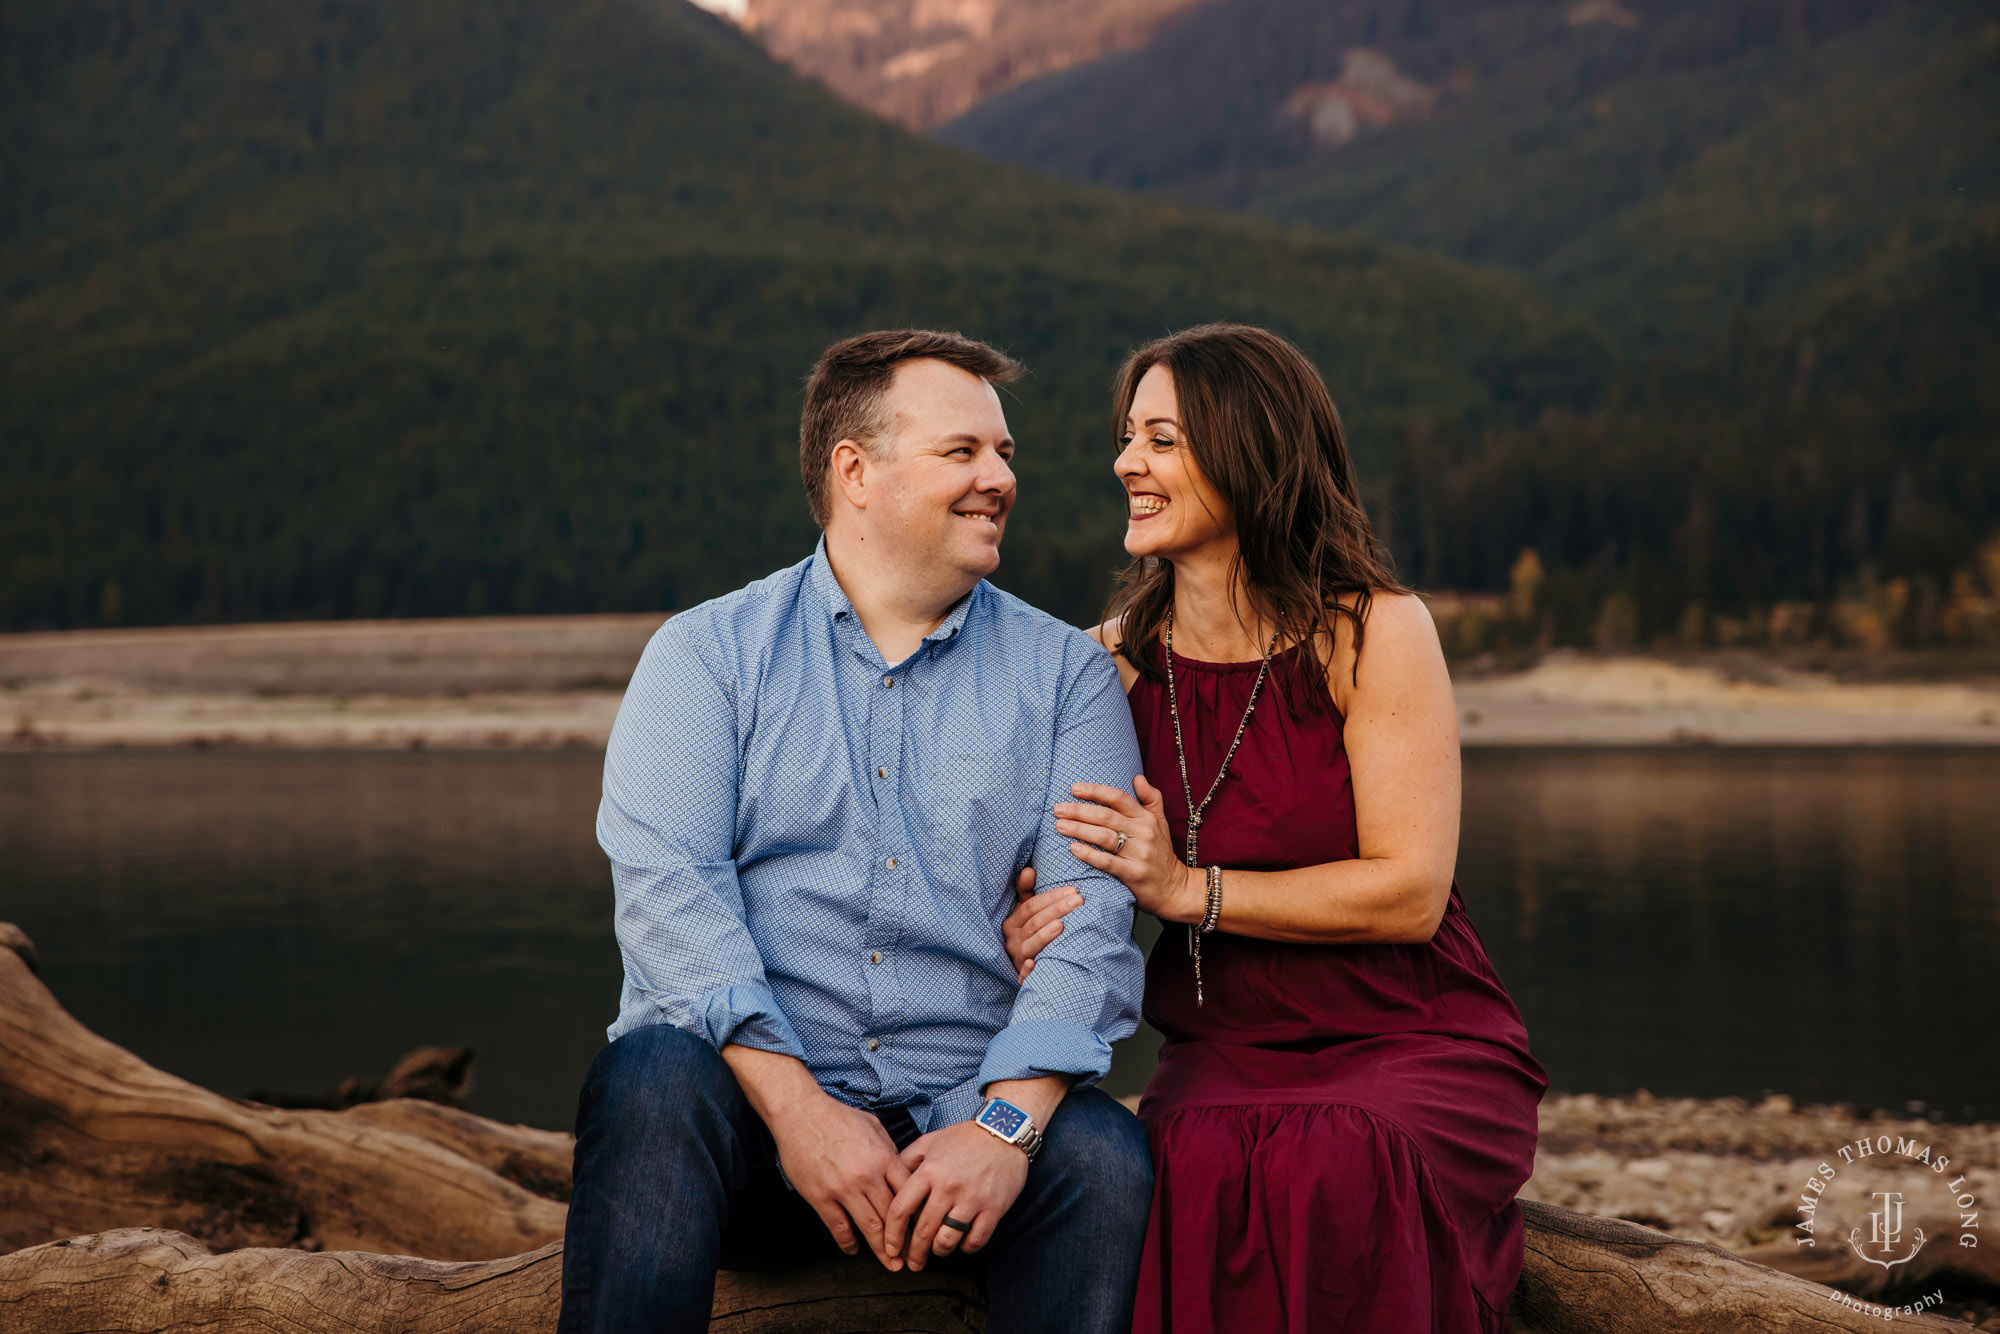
(1008, 1122)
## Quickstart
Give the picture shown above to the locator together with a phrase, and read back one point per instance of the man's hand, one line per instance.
(969, 1174)
(843, 1163)
(839, 1158)
(961, 1172)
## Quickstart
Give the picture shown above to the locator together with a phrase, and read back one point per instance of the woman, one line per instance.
(1345, 1102)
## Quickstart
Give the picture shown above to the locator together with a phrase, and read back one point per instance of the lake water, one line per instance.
(1822, 924)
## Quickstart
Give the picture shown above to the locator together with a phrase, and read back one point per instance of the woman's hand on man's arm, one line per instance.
(1145, 859)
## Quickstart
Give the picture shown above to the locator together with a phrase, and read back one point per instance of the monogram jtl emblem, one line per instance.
(1885, 1232)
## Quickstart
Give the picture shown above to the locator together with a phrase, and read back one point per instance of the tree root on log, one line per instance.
(434, 1074)
(94, 1140)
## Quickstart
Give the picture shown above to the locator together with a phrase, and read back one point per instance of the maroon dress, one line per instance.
(1338, 1132)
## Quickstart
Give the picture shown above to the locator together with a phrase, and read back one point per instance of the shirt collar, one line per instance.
(819, 572)
(949, 627)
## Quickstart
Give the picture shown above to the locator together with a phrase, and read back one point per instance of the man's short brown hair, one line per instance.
(844, 393)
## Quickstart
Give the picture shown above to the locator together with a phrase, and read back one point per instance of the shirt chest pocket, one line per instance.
(982, 818)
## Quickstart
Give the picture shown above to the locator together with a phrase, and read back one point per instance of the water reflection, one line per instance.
(1726, 922)
(265, 920)
(1690, 922)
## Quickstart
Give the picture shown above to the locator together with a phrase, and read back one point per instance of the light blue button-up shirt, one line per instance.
(813, 850)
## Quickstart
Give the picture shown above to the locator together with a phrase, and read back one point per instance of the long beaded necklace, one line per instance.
(1196, 813)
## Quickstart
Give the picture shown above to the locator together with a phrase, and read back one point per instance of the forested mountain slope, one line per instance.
(380, 308)
(1784, 213)
(1661, 164)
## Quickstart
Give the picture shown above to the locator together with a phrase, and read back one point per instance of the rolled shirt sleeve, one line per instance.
(1084, 993)
(667, 822)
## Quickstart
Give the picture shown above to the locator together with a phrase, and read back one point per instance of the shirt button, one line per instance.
(888, 682)
(876, 957)
(873, 1044)
(881, 773)
(892, 863)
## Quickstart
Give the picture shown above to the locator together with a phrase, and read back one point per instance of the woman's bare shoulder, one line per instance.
(1110, 634)
(1399, 637)
(1400, 616)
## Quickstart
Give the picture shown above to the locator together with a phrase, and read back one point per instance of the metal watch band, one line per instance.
(1028, 1139)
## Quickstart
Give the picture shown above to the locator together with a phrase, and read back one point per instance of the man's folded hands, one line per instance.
(843, 1163)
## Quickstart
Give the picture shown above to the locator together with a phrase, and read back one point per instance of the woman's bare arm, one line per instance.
(1402, 744)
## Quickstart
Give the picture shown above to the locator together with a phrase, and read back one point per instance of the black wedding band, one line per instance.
(951, 1222)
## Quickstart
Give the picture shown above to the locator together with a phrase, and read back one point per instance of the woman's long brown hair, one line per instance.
(1259, 423)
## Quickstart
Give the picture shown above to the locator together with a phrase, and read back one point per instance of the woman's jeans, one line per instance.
(676, 1176)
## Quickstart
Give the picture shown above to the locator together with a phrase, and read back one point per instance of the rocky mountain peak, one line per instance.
(1369, 94)
(922, 62)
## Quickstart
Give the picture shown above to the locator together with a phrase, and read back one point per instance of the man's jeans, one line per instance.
(676, 1176)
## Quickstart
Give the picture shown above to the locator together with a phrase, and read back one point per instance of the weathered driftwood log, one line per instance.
(1583, 1276)
(167, 1283)
(1588, 1275)
(1938, 1265)
(538, 1160)
(146, 1279)
(94, 1140)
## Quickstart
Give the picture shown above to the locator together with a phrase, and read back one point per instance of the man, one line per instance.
(817, 795)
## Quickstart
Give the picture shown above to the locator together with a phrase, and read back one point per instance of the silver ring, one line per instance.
(1122, 836)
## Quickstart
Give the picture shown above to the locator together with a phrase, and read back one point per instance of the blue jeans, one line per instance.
(676, 1176)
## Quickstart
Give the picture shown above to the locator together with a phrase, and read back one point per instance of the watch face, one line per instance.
(1004, 1117)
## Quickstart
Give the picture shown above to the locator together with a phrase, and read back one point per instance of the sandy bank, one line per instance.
(471, 683)
(1576, 700)
(473, 653)
(527, 682)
